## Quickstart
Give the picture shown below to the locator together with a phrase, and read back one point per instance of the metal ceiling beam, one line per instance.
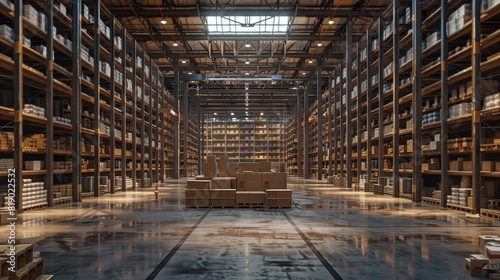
(142, 37)
(156, 55)
(262, 68)
(159, 12)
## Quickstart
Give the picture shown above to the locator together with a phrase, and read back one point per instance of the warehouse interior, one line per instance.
(275, 139)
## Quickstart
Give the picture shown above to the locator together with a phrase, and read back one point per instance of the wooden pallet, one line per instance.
(491, 213)
(459, 207)
(63, 200)
(250, 205)
(460, 149)
(431, 200)
(40, 206)
(87, 195)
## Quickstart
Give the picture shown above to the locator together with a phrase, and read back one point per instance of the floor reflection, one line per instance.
(363, 236)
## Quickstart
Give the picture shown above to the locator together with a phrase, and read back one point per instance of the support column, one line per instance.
(342, 121)
(49, 103)
(124, 109)
(306, 132)
(320, 120)
(203, 142)
(150, 135)
(200, 133)
(134, 114)
(18, 103)
(300, 171)
(185, 120)
(380, 31)
(349, 48)
(143, 116)
(76, 103)
(97, 97)
(369, 127)
(161, 115)
(476, 105)
(335, 147)
(176, 119)
(445, 160)
(395, 96)
(112, 105)
(358, 116)
(417, 100)
(329, 127)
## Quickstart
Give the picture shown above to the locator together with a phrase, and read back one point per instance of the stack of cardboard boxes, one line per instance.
(246, 184)
(487, 262)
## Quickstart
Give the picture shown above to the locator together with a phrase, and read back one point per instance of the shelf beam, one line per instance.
(349, 128)
(49, 103)
(476, 105)
(445, 179)
(76, 104)
(395, 96)
(417, 100)
(18, 104)
(319, 93)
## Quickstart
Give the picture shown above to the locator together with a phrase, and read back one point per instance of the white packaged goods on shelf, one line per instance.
(6, 33)
(60, 7)
(364, 54)
(27, 42)
(33, 110)
(375, 44)
(118, 42)
(493, 3)
(460, 110)
(62, 120)
(86, 13)
(492, 101)
(42, 21)
(6, 163)
(102, 26)
(364, 86)
(8, 4)
(129, 84)
(139, 62)
(107, 33)
(31, 14)
(387, 87)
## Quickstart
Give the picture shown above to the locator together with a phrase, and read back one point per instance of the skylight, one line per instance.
(247, 25)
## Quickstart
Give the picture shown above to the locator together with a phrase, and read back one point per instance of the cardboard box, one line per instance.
(279, 203)
(250, 197)
(265, 166)
(274, 180)
(211, 159)
(467, 165)
(198, 184)
(232, 169)
(202, 177)
(497, 166)
(197, 194)
(234, 182)
(487, 165)
(223, 160)
(222, 203)
(223, 173)
(425, 167)
(209, 171)
(456, 165)
(221, 183)
(33, 165)
(490, 189)
(474, 265)
(223, 194)
(250, 182)
(492, 252)
(204, 203)
(483, 239)
(248, 166)
(277, 193)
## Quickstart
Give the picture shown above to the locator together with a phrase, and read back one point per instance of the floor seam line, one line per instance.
(174, 250)
(313, 248)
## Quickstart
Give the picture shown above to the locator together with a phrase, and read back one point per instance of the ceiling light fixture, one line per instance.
(320, 44)
(247, 62)
(330, 21)
(232, 114)
(303, 73)
(247, 45)
(310, 61)
(183, 61)
(215, 114)
(175, 44)
(163, 21)
(247, 73)
(190, 73)
(262, 114)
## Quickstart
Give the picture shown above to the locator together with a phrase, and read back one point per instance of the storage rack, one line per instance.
(247, 139)
(435, 91)
(291, 147)
(88, 101)
(191, 164)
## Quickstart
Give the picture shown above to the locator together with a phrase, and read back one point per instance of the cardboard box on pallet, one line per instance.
(492, 250)
(249, 181)
(234, 182)
(223, 161)
(232, 169)
(199, 184)
(279, 203)
(248, 166)
(474, 265)
(204, 203)
(203, 177)
(488, 166)
(483, 239)
(223, 173)
(265, 166)
(274, 180)
(221, 183)
(277, 193)
(223, 194)
(197, 194)
(218, 203)
(250, 197)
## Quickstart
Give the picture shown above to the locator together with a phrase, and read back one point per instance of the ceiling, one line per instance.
(287, 38)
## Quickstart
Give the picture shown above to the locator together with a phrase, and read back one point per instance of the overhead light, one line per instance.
(183, 61)
(190, 73)
(246, 113)
(330, 21)
(310, 61)
(247, 45)
(247, 73)
(247, 62)
(163, 21)
(232, 114)
(262, 114)
(175, 44)
(215, 114)
(320, 44)
(303, 73)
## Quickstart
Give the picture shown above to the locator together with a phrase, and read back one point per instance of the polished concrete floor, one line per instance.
(329, 231)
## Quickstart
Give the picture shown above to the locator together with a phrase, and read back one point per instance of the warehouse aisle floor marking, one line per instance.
(322, 259)
(164, 262)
